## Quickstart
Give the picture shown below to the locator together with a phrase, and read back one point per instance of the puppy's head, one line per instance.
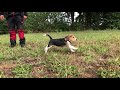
(70, 38)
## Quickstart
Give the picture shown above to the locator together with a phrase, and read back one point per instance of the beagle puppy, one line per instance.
(61, 42)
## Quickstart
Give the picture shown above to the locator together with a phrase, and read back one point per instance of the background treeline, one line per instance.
(68, 21)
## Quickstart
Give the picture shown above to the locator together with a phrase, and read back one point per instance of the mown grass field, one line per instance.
(98, 56)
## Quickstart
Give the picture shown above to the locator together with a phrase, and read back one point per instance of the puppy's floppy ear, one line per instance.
(67, 38)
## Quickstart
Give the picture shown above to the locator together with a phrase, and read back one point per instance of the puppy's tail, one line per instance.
(47, 35)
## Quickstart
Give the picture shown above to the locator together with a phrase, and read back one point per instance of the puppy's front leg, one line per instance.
(72, 48)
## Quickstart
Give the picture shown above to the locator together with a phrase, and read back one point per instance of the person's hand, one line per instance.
(25, 17)
(2, 17)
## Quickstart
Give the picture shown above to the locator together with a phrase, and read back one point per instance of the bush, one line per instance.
(3, 27)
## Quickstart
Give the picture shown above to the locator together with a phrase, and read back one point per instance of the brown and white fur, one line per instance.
(66, 41)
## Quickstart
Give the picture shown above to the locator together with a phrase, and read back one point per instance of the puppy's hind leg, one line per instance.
(46, 48)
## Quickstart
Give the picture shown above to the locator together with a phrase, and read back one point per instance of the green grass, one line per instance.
(22, 71)
(2, 74)
(97, 56)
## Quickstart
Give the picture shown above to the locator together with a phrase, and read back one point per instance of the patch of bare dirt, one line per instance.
(29, 60)
(7, 65)
(38, 68)
(41, 72)
(88, 70)
(6, 68)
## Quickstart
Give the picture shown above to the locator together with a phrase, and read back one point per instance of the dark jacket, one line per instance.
(9, 14)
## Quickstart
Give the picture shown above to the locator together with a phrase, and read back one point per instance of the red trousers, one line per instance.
(13, 34)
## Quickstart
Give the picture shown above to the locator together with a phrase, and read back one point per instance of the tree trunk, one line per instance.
(72, 16)
(88, 16)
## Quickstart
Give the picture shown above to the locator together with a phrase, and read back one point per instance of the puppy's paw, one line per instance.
(76, 48)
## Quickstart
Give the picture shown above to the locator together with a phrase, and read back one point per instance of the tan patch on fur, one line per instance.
(70, 38)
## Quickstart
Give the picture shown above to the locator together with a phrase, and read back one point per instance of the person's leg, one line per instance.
(12, 31)
(19, 24)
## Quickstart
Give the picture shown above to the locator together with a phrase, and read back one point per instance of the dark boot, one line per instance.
(12, 43)
(12, 37)
(22, 42)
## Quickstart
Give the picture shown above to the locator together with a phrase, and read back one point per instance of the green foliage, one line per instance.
(44, 22)
(111, 70)
(62, 21)
(37, 21)
(106, 73)
(100, 49)
(2, 74)
(60, 66)
(1, 56)
(3, 27)
(22, 71)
